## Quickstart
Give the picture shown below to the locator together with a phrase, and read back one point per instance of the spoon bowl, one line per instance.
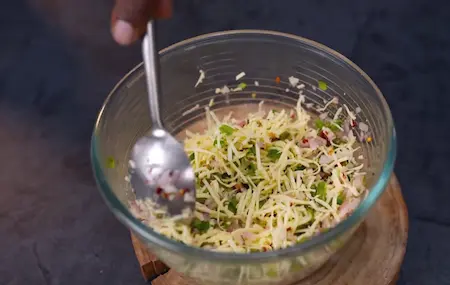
(161, 171)
(159, 168)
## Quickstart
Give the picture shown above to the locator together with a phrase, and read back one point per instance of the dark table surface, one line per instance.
(58, 62)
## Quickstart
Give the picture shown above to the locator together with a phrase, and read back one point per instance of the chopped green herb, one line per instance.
(261, 203)
(251, 169)
(274, 154)
(299, 167)
(222, 143)
(284, 135)
(322, 85)
(252, 150)
(341, 198)
(192, 157)
(332, 127)
(311, 213)
(232, 205)
(319, 124)
(274, 111)
(201, 226)
(242, 85)
(338, 122)
(225, 129)
(321, 190)
(111, 162)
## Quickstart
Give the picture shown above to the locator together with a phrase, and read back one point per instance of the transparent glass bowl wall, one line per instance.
(263, 56)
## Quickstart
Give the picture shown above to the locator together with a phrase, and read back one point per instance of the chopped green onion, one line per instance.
(201, 226)
(274, 154)
(322, 85)
(311, 211)
(242, 86)
(111, 162)
(232, 205)
(338, 122)
(321, 190)
(341, 198)
(251, 169)
(192, 156)
(285, 135)
(299, 167)
(252, 150)
(319, 124)
(225, 129)
(222, 143)
(334, 126)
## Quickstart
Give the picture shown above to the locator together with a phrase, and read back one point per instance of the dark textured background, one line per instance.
(58, 62)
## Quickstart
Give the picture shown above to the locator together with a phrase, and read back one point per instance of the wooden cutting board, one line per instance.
(372, 257)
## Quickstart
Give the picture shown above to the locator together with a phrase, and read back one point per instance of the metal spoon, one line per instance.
(159, 167)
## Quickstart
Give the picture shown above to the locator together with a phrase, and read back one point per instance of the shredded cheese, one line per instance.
(264, 182)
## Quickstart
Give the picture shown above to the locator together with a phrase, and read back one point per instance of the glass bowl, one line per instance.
(263, 55)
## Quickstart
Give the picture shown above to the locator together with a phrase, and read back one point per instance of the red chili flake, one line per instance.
(277, 80)
(291, 204)
(242, 123)
(238, 187)
(305, 141)
(272, 136)
(323, 135)
(165, 195)
(354, 123)
(264, 249)
(159, 190)
(183, 191)
(293, 116)
(289, 229)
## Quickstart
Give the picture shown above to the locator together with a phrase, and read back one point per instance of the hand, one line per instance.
(129, 18)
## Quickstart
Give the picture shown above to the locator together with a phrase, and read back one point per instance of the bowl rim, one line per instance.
(145, 232)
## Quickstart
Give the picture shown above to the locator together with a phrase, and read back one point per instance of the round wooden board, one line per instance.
(372, 257)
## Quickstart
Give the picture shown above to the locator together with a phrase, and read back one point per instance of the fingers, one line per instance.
(129, 17)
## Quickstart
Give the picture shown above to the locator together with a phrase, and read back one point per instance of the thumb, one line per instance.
(129, 18)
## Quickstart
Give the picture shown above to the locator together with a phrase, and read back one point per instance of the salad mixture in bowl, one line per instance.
(269, 180)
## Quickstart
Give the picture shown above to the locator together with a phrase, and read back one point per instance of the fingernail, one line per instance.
(123, 32)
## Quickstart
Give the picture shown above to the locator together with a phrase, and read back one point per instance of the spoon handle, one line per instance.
(151, 64)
